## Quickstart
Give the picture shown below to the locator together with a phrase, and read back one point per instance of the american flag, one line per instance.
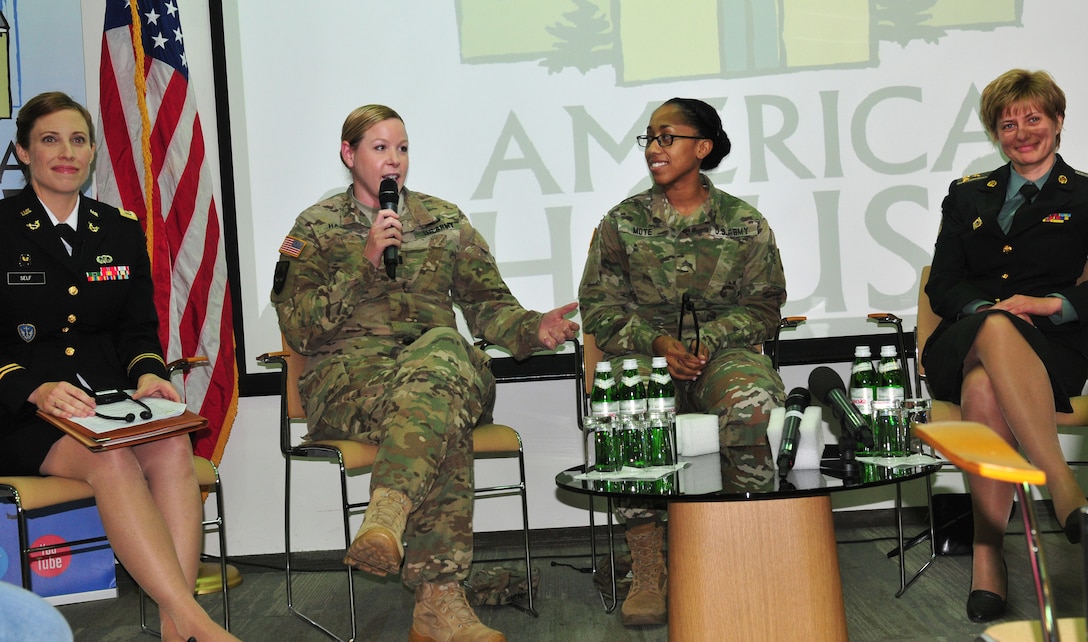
(151, 160)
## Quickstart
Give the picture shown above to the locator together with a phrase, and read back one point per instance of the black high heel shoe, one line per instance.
(987, 606)
(1072, 526)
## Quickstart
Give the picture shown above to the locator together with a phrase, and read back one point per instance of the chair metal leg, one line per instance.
(1082, 517)
(525, 531)
(221, 524)
(521, 488)
(904, 584)
(608, 608)
(287, 552)
(24, 544)
(1047, 621)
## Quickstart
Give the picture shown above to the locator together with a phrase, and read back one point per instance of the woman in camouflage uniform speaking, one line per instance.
(386, 364)
(684, 240)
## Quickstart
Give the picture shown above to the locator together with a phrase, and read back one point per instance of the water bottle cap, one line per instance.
(604, 366)
(862, 351)
(630, 364)
(887, 351)
(659, 362)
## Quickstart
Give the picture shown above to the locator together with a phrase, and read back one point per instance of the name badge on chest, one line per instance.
(26, 278)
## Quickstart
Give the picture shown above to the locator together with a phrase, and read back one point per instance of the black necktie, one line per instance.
(70, 236)
(1028, 191)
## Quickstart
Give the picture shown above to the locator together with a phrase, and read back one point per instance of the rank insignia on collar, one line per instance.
(992, 183)
(104, 259)
(976, 224)
(27, 331)
(129, 214)
(1063, 179)
(33, 225)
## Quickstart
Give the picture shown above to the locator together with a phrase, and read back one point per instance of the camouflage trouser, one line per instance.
(742, 388)
(418, 403)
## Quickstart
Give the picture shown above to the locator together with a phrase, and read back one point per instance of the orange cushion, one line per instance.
(38, 492)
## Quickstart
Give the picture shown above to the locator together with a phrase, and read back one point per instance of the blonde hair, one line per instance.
(360, 120)
(1020, 87)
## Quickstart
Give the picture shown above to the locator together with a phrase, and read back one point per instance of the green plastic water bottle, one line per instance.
(631, 391)
(603, 401)
(634, 438)
(661, 440)
(863, 381)
(889, 377)
(660, 391)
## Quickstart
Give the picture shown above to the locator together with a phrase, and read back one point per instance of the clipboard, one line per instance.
(186, 422)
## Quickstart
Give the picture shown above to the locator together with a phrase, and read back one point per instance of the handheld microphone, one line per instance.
(827, 386)
(389, 197)
(796, 402)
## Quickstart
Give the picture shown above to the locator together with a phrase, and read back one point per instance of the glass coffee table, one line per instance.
(752, 556)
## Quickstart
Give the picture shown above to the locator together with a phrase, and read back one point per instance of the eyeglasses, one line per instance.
(687, 305)
(663, 139)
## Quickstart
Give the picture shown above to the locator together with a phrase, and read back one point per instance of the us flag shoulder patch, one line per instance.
(292, 247)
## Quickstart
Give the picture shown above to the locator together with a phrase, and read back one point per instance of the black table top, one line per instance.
(714, 478)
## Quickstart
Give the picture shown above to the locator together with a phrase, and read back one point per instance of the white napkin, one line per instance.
(703, 474)
(696, 434)
(810, 440)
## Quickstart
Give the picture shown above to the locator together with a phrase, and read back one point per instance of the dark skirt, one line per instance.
(25, 443)
(948, 347)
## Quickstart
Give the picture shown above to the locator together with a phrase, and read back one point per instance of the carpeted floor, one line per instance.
(570, 608)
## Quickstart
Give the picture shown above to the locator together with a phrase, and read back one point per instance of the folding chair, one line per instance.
(489, 440)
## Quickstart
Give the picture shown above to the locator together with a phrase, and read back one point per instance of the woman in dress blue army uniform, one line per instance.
(77, 315)
(1013, 343)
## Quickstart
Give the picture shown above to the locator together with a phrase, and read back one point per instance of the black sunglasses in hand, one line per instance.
(106, 397)
(687, 305)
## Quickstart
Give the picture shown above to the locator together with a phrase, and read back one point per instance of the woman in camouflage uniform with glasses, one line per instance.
(684, 238)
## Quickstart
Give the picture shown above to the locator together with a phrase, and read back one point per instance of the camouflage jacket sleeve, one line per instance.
(491, 311)
(321, 277)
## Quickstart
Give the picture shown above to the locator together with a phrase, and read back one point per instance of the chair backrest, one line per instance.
(926, 324)
(591, 354)
(294, 362)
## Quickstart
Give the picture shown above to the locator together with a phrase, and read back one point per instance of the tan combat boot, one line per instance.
(378, 547)
(645, 603)
(443, 614)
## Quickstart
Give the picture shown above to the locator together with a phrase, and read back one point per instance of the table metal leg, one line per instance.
(904, 584)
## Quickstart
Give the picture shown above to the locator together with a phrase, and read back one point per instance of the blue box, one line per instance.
(63, 574)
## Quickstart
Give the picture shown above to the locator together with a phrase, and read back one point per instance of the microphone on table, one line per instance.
(827, 386)
(796, 402)
(389, 197)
